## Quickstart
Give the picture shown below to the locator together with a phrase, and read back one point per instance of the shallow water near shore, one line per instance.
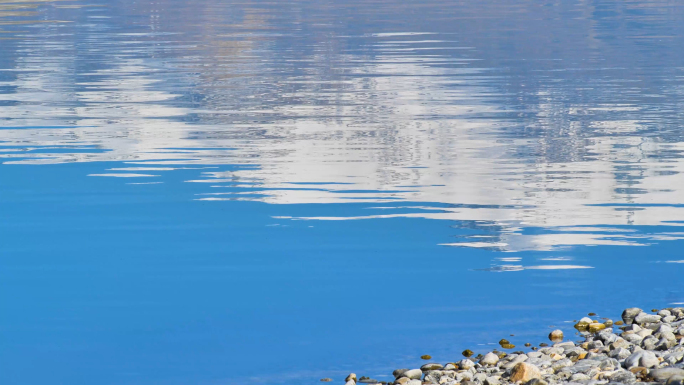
(260, 192)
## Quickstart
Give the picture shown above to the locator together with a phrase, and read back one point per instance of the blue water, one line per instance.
(220, 192)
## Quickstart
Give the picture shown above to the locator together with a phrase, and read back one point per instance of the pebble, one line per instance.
(643, 318)
(326, 379)
(629, 314)
(649, 347)
(413, 374)
(489, 359)
(556, 335)
(524, 372)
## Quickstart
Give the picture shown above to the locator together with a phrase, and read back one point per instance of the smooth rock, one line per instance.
(397, 373)
(466, 364)
(351, 377)
(619, 353)
(524, 372)
(624, 376)
(450, 366)
(489, 359)
(579, 377)
(649, 343)
(629, 314)
(431, 366)
(642, 358)
(675, 380)
(414, 374)
(536, 381)
(664, 374)
(350, 382)
(326, 379)
(402, 381)
(643, 318)
(556, 335)
(492, 381)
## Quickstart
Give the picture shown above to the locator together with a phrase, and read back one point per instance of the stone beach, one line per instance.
(644, 347)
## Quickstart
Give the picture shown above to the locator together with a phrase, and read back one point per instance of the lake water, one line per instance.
(233, 192)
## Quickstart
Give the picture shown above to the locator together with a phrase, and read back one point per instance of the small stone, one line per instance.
(595, 327)
(397, 373)
(431, 366)
(642, 358)
(624, 376)
(556, 335)
(468, 353)
(350, 382)
(543, 344)
(629, 314)
(536, 381)
(426, 357)
(489, 359)
(524, 372)
(368, 380)
(675, 380)
(619, 323)
(643, 318)
(351, 377)
(528, 344)
(504, 342)
(326, 379)
(508, 346)
(579, 377)
(401, 381)
(664, 374)
(491, 381)
(414, 374)
(450, 366)
(466, 364)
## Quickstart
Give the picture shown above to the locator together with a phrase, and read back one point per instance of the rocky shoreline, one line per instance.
(641, 348)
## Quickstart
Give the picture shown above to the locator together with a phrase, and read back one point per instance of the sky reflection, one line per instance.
(502, 138)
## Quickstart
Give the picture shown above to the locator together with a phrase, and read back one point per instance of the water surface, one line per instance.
(221, 192)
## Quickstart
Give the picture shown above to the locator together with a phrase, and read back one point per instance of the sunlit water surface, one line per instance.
(219, 192)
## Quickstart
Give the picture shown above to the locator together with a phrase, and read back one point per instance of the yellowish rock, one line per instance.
(524, 372)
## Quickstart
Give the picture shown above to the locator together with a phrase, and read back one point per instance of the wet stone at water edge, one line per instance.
(650, 349)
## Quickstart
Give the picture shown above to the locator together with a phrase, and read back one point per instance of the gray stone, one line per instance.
(450, 366)
(466, 364)
(641, 358)
(397, 373)
(664, 328)
(643, 318)
(489, 359)
(414, 374)
(480, 377)
(664, 344)
(669, 319)
(619, 353)
(579, 377)
(629, 314)
(431, 366)
(632, 338)
(675, 380)
(662, 375)
(624, 376)
(536, 381)
(664, 313)
(491, 381)
(649, 343)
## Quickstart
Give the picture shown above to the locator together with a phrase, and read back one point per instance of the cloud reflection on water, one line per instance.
(414, 123)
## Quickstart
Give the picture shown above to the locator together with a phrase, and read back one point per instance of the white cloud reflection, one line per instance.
(416, 135)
